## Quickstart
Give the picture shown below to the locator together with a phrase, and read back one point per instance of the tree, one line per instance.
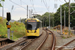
(0, 2)
(0, 5)
(45, 18)
(57, 15)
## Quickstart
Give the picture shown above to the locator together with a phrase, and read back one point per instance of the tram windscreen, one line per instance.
(31, 25)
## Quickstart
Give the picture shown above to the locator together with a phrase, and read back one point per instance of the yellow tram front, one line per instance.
(33, 27)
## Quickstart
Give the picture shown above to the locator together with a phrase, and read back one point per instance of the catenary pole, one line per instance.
(69, 19)
(61, 18)
(53, 21)
(3, 9)
(49, 20)
(64, 19)
(29, 14)
(27, 11)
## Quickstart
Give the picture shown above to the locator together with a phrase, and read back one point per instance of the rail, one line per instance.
(53, 41)
(66, 44)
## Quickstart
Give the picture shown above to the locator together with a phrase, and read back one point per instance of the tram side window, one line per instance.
(38, 24)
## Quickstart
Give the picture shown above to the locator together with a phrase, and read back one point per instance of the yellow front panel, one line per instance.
(32, 33)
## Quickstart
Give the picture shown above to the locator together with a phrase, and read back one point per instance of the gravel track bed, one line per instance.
(70, 46)
(61, 41)
(20, 45)
(36, 43)
(12, 44)
(48, 43)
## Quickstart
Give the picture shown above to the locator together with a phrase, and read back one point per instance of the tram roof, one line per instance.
(33, 19)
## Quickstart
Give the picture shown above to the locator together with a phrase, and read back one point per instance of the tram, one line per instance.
(33, 27)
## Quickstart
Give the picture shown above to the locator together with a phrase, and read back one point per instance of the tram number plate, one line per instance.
(31, 21)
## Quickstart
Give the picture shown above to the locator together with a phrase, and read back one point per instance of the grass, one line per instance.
(18, 28)
(63, 37)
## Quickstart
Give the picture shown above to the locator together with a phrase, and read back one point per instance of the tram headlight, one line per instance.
(27, 31)
(35, 31)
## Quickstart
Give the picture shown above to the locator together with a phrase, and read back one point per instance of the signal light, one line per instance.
(7, 23)
(8, 16)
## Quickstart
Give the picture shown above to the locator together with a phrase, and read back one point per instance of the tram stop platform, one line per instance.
(4, 41)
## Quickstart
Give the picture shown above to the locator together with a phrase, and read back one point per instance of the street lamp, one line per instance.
(49, 18)
(3, 9)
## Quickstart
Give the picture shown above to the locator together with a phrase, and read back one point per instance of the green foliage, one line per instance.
(0, 5)
(18, 28)
(45, 18)
(72, 16)
(2, 0)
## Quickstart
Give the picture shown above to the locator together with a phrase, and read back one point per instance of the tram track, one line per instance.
(67, 45)
(45, 45)
(73, 48)
(53, 41)
(45, 42)
(22, 44)
(29, 43)
(40, 42)
(33, 45)
(16, 45)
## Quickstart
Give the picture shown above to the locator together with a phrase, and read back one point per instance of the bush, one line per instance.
(18, 28)
(2, 36)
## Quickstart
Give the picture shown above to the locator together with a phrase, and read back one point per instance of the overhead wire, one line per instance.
(33, 6)
(61, 1)
(18, 4)
(65, 1)
(45, 5)
(23, 2)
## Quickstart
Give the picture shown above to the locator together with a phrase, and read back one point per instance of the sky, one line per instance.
(37, 6)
